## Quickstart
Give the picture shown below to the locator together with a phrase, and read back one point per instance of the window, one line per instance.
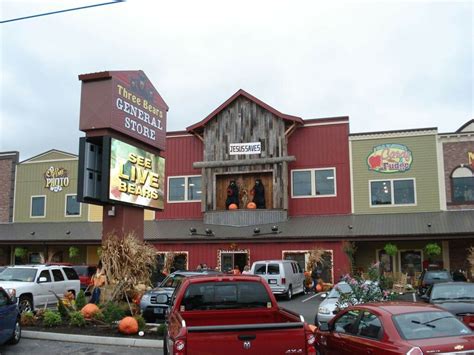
(462, 180)
(73, 207)
(38, 204)
(313, 183)
(45, 273)
(184, 188)
(58, 275)
(369, 326)
(347, 323)
(70, 273)
(385, 260)
(392, 192)
(410, 261)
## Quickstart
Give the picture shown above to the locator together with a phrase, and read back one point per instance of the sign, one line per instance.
(55, 179)
(390, 158)
(471, 158)
(136, 176)
(126, 102)
(245, 148)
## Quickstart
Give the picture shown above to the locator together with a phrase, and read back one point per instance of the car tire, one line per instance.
(25, 304)
(165, 346)
(16, 336)
(289, 293)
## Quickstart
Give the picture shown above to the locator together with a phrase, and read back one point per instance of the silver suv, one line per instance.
(35, 285)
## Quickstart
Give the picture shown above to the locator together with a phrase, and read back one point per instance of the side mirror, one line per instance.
(324, 327)
(42, 279)
(323, 295)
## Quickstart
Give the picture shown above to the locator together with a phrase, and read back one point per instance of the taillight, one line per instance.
(415, 351)
(310, 342)
(179, 346)
(283, 281)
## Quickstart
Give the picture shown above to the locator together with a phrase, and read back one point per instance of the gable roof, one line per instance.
(200, 125)
(52, 154)
(466, 125)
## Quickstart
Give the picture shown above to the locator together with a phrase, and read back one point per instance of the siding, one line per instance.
(324, 146)
(424, 169)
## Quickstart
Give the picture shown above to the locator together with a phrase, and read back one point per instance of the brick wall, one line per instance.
(8, 162)
(455, 154)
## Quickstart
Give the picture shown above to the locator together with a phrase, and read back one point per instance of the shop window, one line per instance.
(184, 189)
(73, 207)
(462, 185)
(38, 206)
(392, 192)
(410, 261)
(313, 183)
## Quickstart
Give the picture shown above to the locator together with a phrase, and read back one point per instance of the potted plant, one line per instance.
(73, 252)
(390, 249)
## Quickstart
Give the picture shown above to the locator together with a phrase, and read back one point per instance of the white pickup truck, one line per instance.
(35, 285)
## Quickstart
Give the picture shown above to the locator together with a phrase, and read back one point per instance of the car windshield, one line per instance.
(437, 275)
(452, 292)
(229, 295)
(18, 274)
(423, 325)
(340, 287)
(172, 281)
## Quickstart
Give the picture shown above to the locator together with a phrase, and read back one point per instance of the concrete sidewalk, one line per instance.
(92, 339)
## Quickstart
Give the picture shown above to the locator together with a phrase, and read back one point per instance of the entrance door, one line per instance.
(229, 260)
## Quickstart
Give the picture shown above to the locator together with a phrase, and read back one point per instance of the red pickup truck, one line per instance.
(228, 314)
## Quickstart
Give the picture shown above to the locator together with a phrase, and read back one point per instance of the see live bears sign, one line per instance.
(390, 158)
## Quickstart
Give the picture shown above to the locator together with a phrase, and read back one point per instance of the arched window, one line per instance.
(462, 180)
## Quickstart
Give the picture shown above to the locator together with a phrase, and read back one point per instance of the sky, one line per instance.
(388, 65)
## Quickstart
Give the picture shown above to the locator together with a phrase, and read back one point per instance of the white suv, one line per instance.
(34, 284)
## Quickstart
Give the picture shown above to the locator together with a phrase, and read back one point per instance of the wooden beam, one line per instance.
(242, 162)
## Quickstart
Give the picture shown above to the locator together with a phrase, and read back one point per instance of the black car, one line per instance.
(431, 277)
(455, 297)
(155, 303)
(10, 326)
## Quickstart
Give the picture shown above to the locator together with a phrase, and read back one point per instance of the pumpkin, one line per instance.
(251, 205)
(89, 310)
(233, 206)
(319, 288)
(128, 325)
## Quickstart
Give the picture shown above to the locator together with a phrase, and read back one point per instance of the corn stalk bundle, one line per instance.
(470, 258)
(315, 257)
(169, 262)
(128, 263)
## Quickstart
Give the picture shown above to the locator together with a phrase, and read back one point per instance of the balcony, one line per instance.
(245, 217)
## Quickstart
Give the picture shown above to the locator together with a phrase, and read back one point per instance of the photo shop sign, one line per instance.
(55, 179)
(390, 158)
(125, 102)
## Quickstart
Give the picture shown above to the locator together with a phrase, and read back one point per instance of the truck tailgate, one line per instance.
(269, 338)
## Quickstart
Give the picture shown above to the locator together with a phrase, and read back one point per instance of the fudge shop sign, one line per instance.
(126, 102)
(390, 158)
(245, 148)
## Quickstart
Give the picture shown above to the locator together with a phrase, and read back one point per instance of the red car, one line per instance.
(85, 273)
(394, 328)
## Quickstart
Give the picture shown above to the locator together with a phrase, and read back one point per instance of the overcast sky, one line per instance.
(387, 65)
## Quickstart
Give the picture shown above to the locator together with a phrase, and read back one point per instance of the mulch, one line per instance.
(96, 330)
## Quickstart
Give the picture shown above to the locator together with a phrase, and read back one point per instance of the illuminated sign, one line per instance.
(245, 148)
(136, 176)
(471, 158)
(390, 158)
(55, 179)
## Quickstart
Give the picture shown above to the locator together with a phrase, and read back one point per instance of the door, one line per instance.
(59, 285)
(229, 260)
(7, 317)
(344, 328)
(44, 295)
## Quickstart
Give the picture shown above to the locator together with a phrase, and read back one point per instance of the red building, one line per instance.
(243, 147)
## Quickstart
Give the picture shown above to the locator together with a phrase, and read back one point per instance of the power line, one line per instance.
(57, 12)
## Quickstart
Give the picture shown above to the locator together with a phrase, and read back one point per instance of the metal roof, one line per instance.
(444, 224)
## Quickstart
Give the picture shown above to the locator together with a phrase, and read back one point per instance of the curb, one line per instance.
(92, 339)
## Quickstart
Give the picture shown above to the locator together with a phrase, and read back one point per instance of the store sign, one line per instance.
(390, 158)
(55, 179)
(245, 148)
(471, 158)
(136, 176)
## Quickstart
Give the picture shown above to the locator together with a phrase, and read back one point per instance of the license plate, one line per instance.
(272, 281)
(158, 310)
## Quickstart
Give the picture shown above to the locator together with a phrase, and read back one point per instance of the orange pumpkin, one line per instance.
(128, 325)
(319, 288)
(251, 205)
(233, 206)
(89, 310)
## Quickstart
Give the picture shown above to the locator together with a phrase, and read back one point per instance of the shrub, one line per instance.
(161, 329)
(81, 300)
(27, 318)
(62, 309)
(99, 316)
(51, 318)
(77, 319)
(141, 322)
(112, 312)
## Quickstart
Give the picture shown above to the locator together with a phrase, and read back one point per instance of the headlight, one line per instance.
(162, 298)
(324, 310)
